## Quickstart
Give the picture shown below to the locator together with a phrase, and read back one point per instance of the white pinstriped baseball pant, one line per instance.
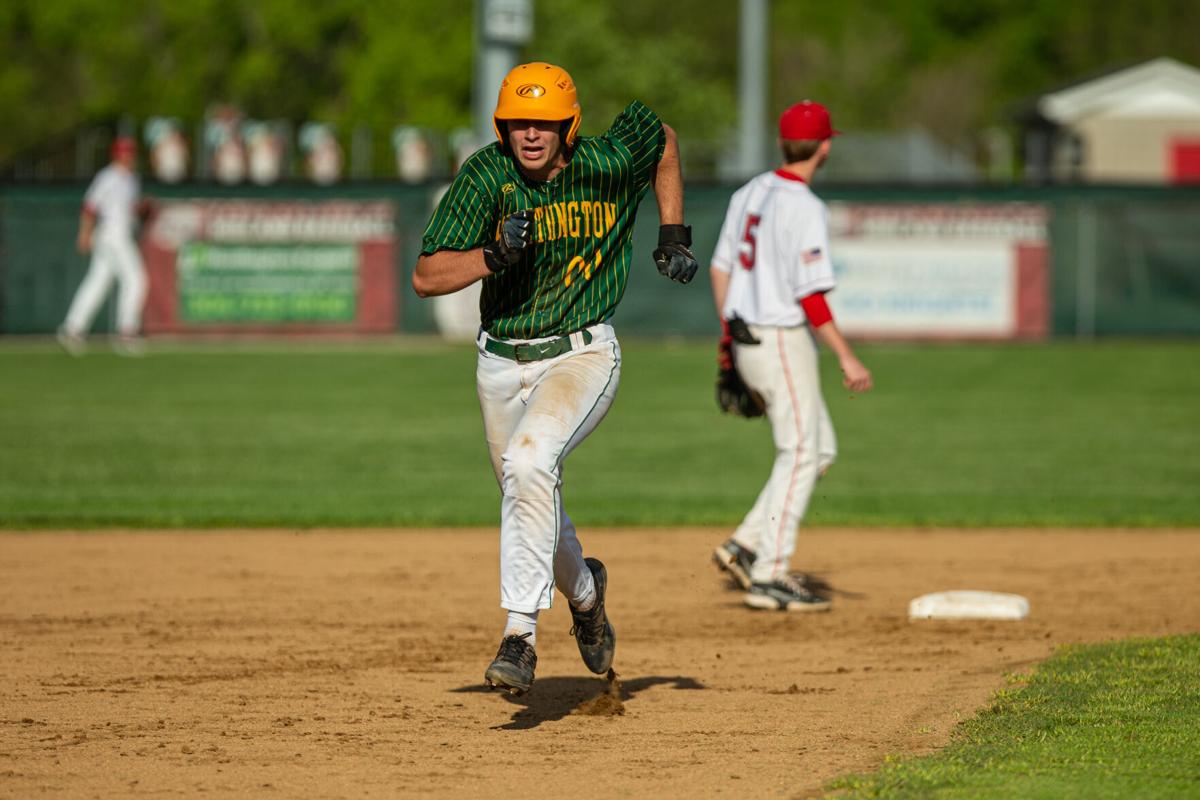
(113, 257)
(783, 369)
(534, 415)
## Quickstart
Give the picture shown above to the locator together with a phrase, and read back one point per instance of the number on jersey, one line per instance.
(748, 250)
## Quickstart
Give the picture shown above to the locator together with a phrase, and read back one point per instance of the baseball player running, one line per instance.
(770, 272)
(544, 218)
(106, 231)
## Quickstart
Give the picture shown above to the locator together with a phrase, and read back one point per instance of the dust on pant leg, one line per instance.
(530, 524)
(567, 402)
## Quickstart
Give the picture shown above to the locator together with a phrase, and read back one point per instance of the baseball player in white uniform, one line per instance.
(106, 231)
(770, 272)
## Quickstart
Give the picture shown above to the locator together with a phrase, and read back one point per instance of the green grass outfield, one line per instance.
(388, 433)
(1115, 720)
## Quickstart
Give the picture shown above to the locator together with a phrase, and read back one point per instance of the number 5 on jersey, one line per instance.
(748, 250)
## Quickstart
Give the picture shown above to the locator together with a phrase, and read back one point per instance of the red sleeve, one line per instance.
(816, 309)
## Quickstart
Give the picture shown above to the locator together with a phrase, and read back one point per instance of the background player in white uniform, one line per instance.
(770, 272)
(106, 231)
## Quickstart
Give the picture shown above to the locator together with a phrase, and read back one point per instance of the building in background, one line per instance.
(1135, 125)
(913, 156)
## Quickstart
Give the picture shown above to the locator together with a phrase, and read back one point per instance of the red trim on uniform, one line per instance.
(787, 500)
(816, 309)
(789, 176)
(90, 210)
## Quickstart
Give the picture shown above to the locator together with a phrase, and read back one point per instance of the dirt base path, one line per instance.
(350, 664)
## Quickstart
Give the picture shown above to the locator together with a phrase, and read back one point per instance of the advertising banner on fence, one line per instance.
(228, 266)
(941, 270)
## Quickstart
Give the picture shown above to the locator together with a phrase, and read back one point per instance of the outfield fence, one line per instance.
(933, 262)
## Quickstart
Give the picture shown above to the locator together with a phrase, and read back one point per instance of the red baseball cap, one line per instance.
(122, 145)
(806, 120)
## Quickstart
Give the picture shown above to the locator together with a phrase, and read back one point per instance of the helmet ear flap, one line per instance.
(571, 129)
(501, 128)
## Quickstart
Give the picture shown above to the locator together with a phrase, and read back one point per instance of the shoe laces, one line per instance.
(793, 585)
(516, 649)
(589, 625)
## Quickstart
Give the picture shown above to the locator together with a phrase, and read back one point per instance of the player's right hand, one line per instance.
(516, 233)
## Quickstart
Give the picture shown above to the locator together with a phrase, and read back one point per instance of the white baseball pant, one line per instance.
(783, 369)
(534, 414)
(113, 257)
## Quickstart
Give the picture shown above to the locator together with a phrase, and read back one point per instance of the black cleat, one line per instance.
(513, 668)
(592, 631)
(785, 594)
(736, 560)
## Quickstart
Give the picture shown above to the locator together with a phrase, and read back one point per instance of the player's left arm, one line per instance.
(673, 256)
(813, 279)
(855, 376)
(668, 181)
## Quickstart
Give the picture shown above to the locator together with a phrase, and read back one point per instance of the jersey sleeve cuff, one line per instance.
(816, 309)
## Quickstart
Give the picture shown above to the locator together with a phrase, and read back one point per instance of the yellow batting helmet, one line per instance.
(538, 91)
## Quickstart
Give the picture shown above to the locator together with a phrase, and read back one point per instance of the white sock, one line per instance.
(519, 622)
(586, 600)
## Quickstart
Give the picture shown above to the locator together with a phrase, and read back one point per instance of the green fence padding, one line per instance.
(1124, 260)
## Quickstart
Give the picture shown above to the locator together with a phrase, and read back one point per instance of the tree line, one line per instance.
(952, 67)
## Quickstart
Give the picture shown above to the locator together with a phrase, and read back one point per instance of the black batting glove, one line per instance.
(673, 256)
(515, 235)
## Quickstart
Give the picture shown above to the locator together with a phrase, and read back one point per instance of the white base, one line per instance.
(969, 605)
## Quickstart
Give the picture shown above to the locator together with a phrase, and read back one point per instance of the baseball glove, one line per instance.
(735, 397)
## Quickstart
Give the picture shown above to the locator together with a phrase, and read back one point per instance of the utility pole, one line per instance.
(501, 27)
(753, 48)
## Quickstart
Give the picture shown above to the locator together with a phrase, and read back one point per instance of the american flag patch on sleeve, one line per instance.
(811, 255)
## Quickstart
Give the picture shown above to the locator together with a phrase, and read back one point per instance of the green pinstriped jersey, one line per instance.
(575, 271)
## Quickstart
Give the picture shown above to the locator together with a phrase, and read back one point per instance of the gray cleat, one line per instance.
(592, 631)
(785, 594)
(736, 560)
(513, 668)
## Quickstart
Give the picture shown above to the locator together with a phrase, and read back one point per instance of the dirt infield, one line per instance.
(350, 663)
